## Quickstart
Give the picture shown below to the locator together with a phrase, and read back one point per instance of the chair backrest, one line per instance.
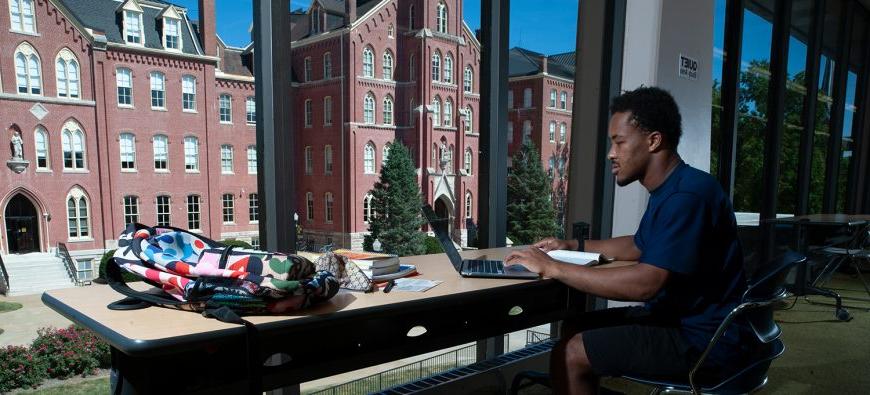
(767, 284)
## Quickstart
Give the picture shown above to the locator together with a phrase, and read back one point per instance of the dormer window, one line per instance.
(172, 33)
(133, 27)
(315, 21)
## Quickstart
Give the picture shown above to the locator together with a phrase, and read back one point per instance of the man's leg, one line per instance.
(571, 370)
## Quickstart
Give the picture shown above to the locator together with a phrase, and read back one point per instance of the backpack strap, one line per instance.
(252, 341)
(145, 299)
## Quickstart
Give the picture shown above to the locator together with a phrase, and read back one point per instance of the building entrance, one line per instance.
(22, 225)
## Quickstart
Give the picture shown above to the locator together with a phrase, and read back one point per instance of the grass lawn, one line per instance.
(84, 387)
(9, 306)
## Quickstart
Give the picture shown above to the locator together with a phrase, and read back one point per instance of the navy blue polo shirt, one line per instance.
(689, 229)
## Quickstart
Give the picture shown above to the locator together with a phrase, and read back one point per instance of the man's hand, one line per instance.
(552, 243)
(533, 259)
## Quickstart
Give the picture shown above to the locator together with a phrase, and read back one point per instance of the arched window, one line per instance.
(252, 159)
(563, 100)
(67, 70)
(441, 18)
(388, 65)
(510, 99)
(327, 159)
(327, 111)
(467, 78)
(369, 158)
(436, 111)
(369, 108)
(510, 132)
(309, 206)
(124, 82)
(225, 108)
(306, 69)
(73, 142)
(388, 110)
(412, 68)
(367, 208)
(468, 205)
(188, 93)
(436, 66)
(386, 154)
(327, 65)
(469, 119)
(23, 18)
(448, 112)
(28, 73)
(158, 90)
(309, 113)
(562, 131)
(553, 98)
(309, 161)
(390, 31)
(448, 69)
(368, 64)
(328, 199)
(160, 145)
(191, 154)
(527, 130)
(127, 144)
(251, 110)
(411, 17)
(226, 159)
(77, 214)
(552, 131)
(448, 157)
(40, 138)
(468, 161)
(315, 20)
(527, 97)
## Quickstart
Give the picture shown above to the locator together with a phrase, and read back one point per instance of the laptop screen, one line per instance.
(439, 227)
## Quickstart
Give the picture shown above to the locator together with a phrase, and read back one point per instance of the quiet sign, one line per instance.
(688, 67)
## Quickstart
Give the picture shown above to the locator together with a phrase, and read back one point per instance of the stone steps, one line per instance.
(35, 273)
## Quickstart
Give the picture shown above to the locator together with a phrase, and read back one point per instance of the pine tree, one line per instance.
(395, 219)
(530, 212)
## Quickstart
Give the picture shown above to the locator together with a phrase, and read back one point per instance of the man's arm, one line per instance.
(619, 248)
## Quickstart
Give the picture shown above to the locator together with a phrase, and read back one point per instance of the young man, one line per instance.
(688, 267)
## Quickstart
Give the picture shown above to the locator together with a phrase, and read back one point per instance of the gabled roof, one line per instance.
(106, 16)
(523, 62)
(300, 19)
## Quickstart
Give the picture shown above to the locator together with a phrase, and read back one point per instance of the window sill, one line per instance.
(229, 223)
(190, 111)
(226, 123)
(76, 171)
(32, 34)
(161, 171)
(163, 109)
(46, 170)
(68, 97)
(195, 230)
(126, 106)
(191, 171)
(254, 222)
(79, 239)
(129, 171)
(252, 174)
(253, 125)
(228, 173)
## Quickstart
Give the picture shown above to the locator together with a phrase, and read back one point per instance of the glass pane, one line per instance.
(858, 43)
(718, 63)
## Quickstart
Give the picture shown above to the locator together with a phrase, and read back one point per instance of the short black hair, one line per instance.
(653, 109)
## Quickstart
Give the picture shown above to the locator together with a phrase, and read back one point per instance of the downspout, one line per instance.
(344, 151)
(97, 135)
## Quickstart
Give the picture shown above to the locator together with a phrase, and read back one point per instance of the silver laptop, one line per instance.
(472, 267)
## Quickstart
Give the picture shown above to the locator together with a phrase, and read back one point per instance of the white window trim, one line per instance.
(232, 207)
(121, 136)
(20, 29)
(232, 159)
(138, 13)
(154, 153)
(254, 100)
(27, 50)
(177, 19)
(150, 77)
(41, 130)
(77, 194)
(68, 56)
(195, 156)
(132, 96)
(230, 108)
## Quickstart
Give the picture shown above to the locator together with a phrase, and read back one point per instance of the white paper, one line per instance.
(575, 257)
(414, 284)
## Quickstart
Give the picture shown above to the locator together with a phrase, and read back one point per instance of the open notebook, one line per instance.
(576, 257)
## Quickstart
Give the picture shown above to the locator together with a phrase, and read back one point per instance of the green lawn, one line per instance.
(84, 387)
(9, 306)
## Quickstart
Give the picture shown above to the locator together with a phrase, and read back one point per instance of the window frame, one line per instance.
(158, 209)
(131, 210)
(83, 229)
(170, 21)
(194, 212)
(160, 97)
(225, 108)
(251, 110)
(387, 113)
(140, 25)
(369, 158)
(157, 154)
(22, 22)
(70, 79)
(32, 86)
(252, 158)
(191, 151)
(228, 209)
(188, 99)
(227, 157)
(253, 208)
(369, 108)
(124, 94)
(42, 152)
(368, 62)
(127, 148)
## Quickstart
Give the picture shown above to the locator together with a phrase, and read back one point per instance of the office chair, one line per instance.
(765, 289)
(854, 250)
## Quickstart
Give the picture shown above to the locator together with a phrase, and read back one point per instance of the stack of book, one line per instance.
(378, 267)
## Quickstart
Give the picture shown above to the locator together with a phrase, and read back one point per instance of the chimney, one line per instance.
(349, 12)
(207, 27)
(544, 64)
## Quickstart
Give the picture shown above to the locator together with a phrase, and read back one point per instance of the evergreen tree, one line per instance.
(530, 213)
(395, 219)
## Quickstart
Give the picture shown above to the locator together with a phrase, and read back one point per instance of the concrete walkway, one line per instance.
(20, 326)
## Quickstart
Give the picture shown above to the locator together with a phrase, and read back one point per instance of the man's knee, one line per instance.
(575, 353)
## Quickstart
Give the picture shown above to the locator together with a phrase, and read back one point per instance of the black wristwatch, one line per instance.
(581, 244)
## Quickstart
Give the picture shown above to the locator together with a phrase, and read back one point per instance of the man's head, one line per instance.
(645, 124)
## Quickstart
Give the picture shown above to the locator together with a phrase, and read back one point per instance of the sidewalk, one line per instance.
(20, 326)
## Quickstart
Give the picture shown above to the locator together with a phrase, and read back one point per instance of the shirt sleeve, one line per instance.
(677, 234)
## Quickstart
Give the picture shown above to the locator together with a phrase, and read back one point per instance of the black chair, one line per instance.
(764, 290)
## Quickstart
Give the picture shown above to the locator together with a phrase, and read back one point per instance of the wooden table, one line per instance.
(351, 331)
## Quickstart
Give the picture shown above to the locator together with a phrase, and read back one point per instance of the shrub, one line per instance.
(69, 352)
(128, 277)
(432, 245)
(19, 368)
(236, 243)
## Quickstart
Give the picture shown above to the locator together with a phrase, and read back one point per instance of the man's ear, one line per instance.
(655, 141)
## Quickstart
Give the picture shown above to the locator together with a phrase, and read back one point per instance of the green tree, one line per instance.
(530, 212)
(395, 219)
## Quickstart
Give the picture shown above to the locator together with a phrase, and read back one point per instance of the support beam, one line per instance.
(811, 81)
(835, 141)
(730, 89)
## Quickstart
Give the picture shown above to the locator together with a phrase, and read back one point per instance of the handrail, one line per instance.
(4, 278)
(71, 270)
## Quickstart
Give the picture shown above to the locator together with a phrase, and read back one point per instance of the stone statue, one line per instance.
(17, 146)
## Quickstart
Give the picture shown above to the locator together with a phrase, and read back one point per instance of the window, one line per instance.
(448, 112)
(307, 69)
(228, 208)
(510, 99)
(253, 207)
(327, 159)
(388, 66)
(386, 154)
(562, 131)
(441, 18)
(448, 69)
(84, 269)
(252, 159)
(225, 109)
(327, 65)
(527, 98)
(133, 27)
(448, 157)
(73, 141)
(527, 131)
(388, 110)
(163, 210)
(553, 98)
(368, 63)
(411, 17)
(188, 93)
(469, 119)
(467, 79)
(315, 20)
(158, 90)
(124, 80)
(436, 66)
(510, 132)
(436, 111)
(255, 242)
(309, 206)
(390, 31)
(193, 212)
(226, 159)
(40, 138)
(191, 154)
(27, 70)
(309, 113)
(552, 131)
(367, 208)
(468, 205)
(128, 151)
(131, 209)
(369, 159)
(171, 33)
(563, 100)
(328, 199)
(250, 110)
(468, 159)
(369, 108)
(327, 111)
(23, 19)
(412, 68)
(67, 70)
(160, 144)
(78, 218)
(309, 161)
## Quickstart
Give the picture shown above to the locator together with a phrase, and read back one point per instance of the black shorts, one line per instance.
(628, 341)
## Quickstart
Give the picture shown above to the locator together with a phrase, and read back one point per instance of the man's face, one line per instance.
(629, 150)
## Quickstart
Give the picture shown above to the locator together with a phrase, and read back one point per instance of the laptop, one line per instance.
(472, 267)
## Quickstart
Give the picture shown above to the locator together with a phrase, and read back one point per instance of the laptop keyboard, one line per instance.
(484, 266)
